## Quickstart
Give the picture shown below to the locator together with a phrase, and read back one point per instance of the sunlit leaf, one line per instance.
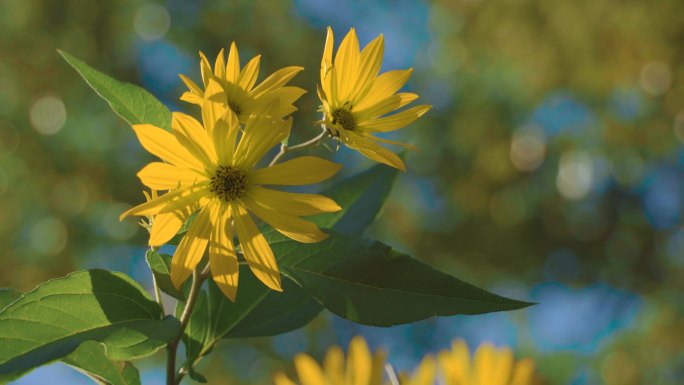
(90, 358)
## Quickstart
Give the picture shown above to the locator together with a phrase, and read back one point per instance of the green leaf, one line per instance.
(90, 358)
(257, 312)
(7, 296)
(132, 103)
(367, 282)
(361, 198)
(51, 321)
(160, 264)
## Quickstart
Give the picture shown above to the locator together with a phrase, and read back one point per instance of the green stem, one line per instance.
(198, 279)
(284, 148)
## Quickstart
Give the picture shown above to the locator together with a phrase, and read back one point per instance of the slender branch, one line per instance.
(157, 292)
(198, 279)
(284, 148)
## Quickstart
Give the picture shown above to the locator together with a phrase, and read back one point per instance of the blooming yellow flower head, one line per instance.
(211, 170)
(242, 96)
(356, 100)
(489, 366)
(361, 367)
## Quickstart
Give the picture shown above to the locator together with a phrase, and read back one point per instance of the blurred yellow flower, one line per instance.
(355, 98)
(243, 97)
(489, 366)
(361, 367)
(210, 171)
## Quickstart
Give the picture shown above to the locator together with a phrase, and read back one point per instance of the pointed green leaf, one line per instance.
(361, 198)
(160, 264)
(132, 103)
(7, 296)
(367, 282)
(90, 358)
(257, 312)
(51, 321)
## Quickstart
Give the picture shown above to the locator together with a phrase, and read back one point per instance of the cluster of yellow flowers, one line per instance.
(212, 168)
(489, 366)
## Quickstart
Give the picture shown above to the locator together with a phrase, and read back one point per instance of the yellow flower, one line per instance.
(243, 97)
(489, 366)
(355, 99)
(361, 367)
(209, 171)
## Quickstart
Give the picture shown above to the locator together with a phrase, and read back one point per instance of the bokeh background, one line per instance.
(550, 169)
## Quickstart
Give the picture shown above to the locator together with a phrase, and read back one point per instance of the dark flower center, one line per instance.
(343, 118)
(235, 108)
(228, 183)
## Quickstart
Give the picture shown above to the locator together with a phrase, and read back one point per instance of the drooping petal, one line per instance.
(155, 206)
(290, 226)
(294, 172)
(290, 203)
(164, 227)
(191, 249)
(191, 98)
(164, 145)
(233, 65)
(257, 252)
(164, 176)
(384, 106)
(368, 147)
(193, 137)
(309, 372)
(383, 87)
(192, 86)
(222, 258)
(346, 65)
(249, 74)
(395, 121)
(394, 142)
(369, 67)
(275, 81)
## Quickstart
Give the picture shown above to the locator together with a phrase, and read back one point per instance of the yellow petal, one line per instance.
(220, 66)
(387, 141)
(261, 134)
(154, 206)
(224, 137)
(191, 248)
(276, 80)
(192, 86)
(359, 363)
(164, 145)
(281, 379)
(289, 225)
(214, 105)
(369, 148)
(347, 63)
(293, 203)
(369, 67)
(395, 121)
(191, 98)
(284, 98)
(164, 227)
(383, 87)
(222, 258)
(378, 369)
(309, 372)
(326, 61)
(483, 363)
(257, 252)
(233, 66)
(333, 364)
(523, 373)
(294, 172)
(384, 106)
(164, 176)
(249, 74)
(205, 68)
(193, 137)
(502, 369)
